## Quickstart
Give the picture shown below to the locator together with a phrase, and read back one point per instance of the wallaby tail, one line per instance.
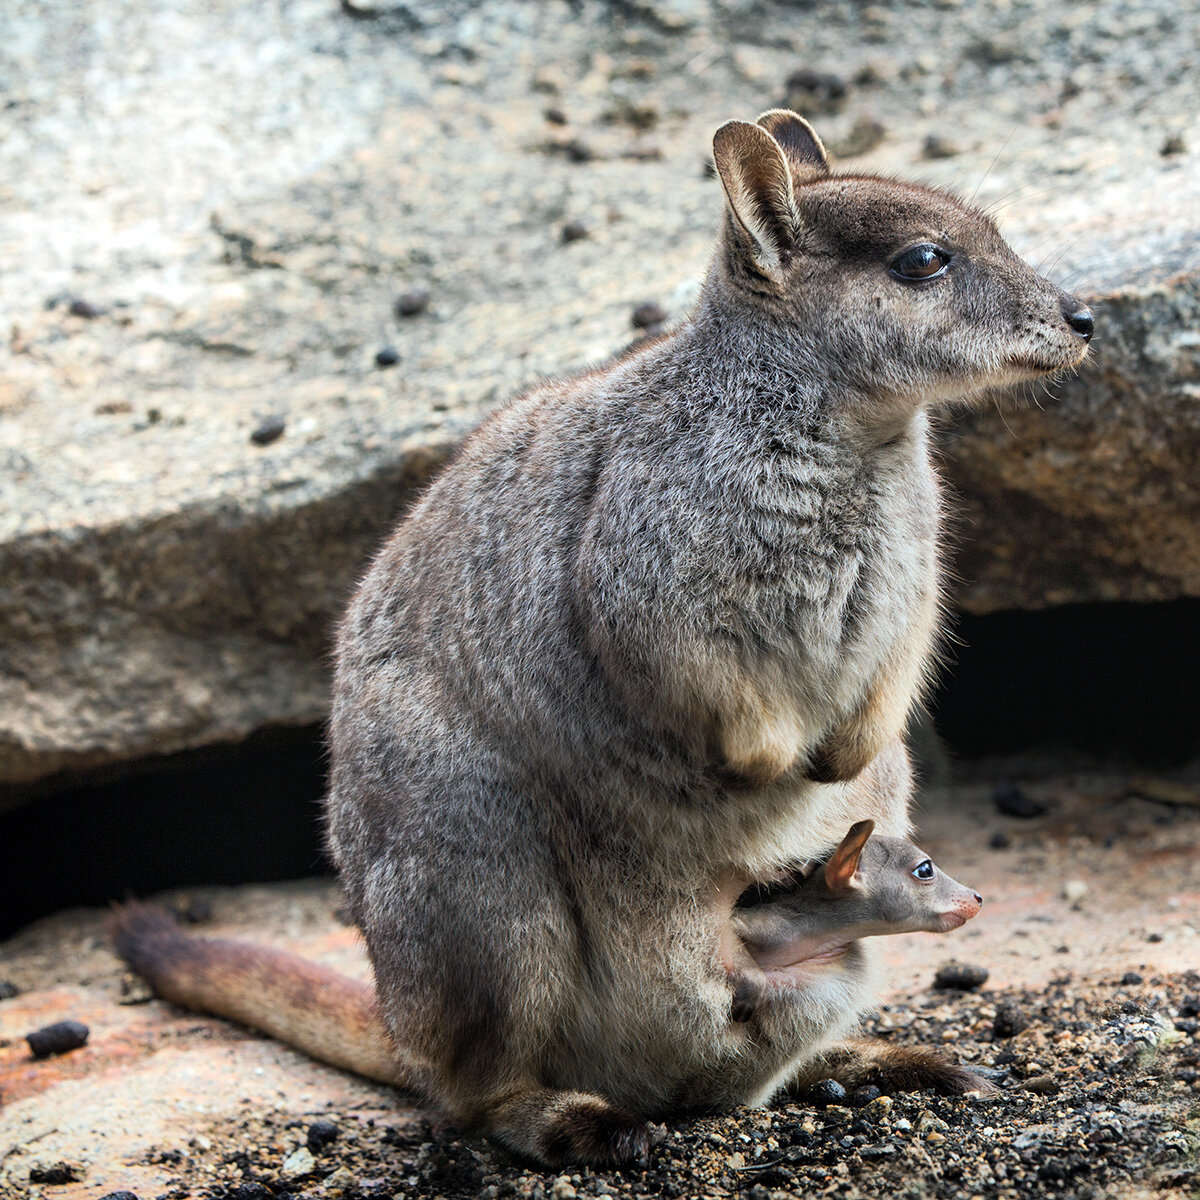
(328, 1016)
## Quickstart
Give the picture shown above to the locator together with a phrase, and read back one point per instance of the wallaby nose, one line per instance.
(1082, 321)
(978, 897)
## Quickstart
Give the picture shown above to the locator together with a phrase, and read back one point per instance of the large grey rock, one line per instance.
(237, 195)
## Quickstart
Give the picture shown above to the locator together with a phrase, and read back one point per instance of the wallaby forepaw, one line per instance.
(598, 1134)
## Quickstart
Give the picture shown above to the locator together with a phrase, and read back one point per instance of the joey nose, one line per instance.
(978, 897)
(1081, 321)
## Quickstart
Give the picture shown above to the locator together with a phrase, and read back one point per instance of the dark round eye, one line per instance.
(921, 262)
(925, 869)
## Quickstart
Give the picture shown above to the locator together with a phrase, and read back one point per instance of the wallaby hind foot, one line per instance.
(558, 1127)
(891, 1069)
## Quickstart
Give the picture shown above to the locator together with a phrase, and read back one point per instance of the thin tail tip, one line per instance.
(144, 937)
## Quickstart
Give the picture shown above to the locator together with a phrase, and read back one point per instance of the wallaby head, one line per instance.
(902, 294)
(868, 887)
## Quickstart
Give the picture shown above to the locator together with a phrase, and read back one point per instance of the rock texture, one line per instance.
(212, 407)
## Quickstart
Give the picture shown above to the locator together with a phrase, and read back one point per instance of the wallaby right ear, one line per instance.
(758, 186)
(842, 867)
(799, 142)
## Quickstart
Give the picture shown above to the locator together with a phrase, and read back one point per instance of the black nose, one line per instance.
(1082, 322)
(978, 897)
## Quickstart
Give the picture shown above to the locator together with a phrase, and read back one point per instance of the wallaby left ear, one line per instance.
(758, 186)
(842, 869)
(799, 142)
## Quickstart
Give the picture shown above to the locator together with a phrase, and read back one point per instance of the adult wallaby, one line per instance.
(652, 638)
(783, 937)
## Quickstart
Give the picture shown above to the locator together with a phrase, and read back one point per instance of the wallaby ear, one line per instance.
(799, 142)
(758, 186)
(841, 869)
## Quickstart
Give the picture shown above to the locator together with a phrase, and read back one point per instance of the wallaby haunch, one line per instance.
(653, 637)
(868, 887)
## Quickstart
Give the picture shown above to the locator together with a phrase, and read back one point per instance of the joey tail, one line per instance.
(326, 1015)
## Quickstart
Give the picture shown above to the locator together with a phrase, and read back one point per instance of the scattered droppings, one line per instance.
(960, 977)
(269, 430)
(85, 309)
(574, 231)
(863, 1096)
(1008, 1021)
(57, 1038)
(814, 93)
(937, 146)
(413, 301)
(647, 315)
(55, 1173)
(865, 134)
(1010, 800)
(321, 1134)
(387, 356)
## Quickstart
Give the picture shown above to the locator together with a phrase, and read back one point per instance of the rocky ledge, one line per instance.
(264, 270)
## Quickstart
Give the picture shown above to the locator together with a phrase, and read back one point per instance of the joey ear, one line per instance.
(758, 186)
(799, 142)
(842, 867)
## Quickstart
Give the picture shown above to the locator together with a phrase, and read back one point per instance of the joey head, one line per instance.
(868, 887)
(653, 636)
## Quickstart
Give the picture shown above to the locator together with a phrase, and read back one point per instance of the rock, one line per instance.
(1074, 890)
(55, 1173)
(960, 977)
(413, 301)
(647, 315)
(269, 429)
(574, 231)
(1042, 1085)
(8, 989)
(340, 1182)
(865, 134)
(387, 356)
(168, 585)
(936, 146)
(119, 1196)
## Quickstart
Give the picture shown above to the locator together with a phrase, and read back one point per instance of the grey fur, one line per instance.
(653, 636)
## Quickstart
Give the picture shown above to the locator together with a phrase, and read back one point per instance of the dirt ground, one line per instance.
(1088, 1023)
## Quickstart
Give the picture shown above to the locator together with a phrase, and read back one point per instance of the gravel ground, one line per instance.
(1100, 1096)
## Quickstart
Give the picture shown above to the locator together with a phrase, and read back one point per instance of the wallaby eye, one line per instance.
(925, 869)
(921, 262)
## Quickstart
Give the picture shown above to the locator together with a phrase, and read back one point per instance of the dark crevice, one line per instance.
(1103, 684)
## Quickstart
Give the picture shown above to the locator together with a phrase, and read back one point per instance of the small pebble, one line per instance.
(1074, 890)
(85, 309)
(999, 840)
(8, 989)
(1008, 1021)
(647, 315)
(827, 1091)
(412, 302)
(250, 1191)
(814, 93)
(574, 231)
(340, 1181)
(321, 1134)
(578, 151)
(1013, 802)
(1131, 979)
(269, 430)
(119, 1196)
(57, 1038)
(1173, 145)
(563, 1189)
(387, 356)
(960, 977)
(1154, 937)
(555, 116)
(1042, 1085)
(298, 1164)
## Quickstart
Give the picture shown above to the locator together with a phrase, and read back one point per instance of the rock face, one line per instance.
(217, 391)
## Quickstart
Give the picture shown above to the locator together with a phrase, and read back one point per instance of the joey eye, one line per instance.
(924, 870)
(921, 262)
